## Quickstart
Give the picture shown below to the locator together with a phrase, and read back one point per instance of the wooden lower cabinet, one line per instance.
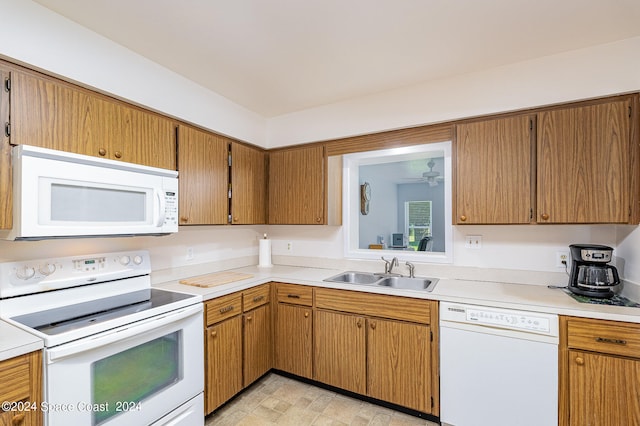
(392, 359)
(294, 339)
(599, 372)
(340, 350)
(223, 362)
(21, 381)
(258, 354)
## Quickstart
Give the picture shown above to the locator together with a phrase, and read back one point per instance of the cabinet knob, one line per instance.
(18, 419)
(249, 318)
(359, 323)
(373, 325)
(544, 216)
(184, 219)
(579, 361)
(214, 333)
(318, 219)
(102, 152)
(235, 219)
(463, 218)
(118, 154)
(306, 314)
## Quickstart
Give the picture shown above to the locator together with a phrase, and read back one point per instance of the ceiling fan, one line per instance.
(431, 178)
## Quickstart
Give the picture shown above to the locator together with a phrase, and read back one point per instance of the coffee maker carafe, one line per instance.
(590, 275)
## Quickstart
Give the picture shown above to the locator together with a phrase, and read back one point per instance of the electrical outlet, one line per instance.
(189, 253)
(473, 241)
(562, 256)
(289, 246)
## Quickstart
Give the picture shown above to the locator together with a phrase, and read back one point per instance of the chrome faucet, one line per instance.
(388, 265)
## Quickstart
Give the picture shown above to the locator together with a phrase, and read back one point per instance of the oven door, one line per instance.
(131, 375)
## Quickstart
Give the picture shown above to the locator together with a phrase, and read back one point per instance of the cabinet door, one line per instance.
(583, 164)
(399, 363)
(293, 339)
(603, 390)
(339, 350)
(53, 114)
(493, 171)
(203, 165)
(297, 186)
(223, 362)
(248, 185)
(258, 347)
(6, 190)
(21, 379)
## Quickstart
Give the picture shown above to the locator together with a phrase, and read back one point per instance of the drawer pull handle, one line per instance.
(258, 298)
(226, 309)
(293, 296)
(612, 341)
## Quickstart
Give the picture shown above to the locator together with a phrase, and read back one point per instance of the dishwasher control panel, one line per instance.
(519, 321)
(499, 318)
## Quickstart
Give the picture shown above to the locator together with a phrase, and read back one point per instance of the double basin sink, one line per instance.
(384, 280)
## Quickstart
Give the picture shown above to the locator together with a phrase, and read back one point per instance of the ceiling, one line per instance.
(280, 56)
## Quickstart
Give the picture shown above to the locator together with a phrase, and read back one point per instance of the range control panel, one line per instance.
(38, 275)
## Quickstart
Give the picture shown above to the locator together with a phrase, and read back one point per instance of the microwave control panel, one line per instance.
(171, 208)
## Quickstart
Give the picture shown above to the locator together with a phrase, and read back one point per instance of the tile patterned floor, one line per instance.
(278, 400)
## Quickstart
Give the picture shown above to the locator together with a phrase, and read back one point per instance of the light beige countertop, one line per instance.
(15, 342)
(528, 297)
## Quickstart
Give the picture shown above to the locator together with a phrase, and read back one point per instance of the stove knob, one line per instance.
(137, 260)
(124, 260)
(47, 269)
(25, 272)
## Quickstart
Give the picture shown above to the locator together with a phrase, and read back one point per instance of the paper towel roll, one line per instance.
(264, 255)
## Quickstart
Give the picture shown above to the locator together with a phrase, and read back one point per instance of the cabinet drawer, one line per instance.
(295, 294)
(14, 376)
(611, 337)
(375, 305)
(255, 297)
(223, 307)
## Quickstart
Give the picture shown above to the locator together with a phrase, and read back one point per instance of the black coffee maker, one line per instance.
(590, 275)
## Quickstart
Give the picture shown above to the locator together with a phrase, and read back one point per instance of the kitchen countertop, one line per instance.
(15, 342)
(535, 298)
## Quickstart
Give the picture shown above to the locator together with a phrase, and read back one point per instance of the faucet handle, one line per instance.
(386, 264)
(412, 268)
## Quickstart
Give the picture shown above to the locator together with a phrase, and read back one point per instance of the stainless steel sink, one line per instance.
(408, 283)
(400, 282)
(354, 277)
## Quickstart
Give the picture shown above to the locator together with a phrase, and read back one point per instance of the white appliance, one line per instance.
(117, 352)
(59, 194)
(498, 367)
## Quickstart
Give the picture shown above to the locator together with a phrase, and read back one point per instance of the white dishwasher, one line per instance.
(498, 367)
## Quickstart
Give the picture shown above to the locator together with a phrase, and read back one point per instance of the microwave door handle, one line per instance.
(159, 218)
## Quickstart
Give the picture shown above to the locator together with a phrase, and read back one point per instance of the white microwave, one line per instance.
(63, 195)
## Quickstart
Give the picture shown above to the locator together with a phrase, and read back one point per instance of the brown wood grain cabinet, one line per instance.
(21, 379)
(377, 345)
(203, 166)
(238, 343)
(248, 185)
(584, 163)
(6, 190)
(294, 329)
(494, 175)
(297, 193)
(53, 114)
(599, 372)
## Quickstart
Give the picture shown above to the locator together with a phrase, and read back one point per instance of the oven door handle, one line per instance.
(121, 333)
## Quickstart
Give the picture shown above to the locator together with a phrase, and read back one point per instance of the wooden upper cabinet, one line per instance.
(584, 166)
(53, 114)
(494, 171)
(297, 186)
(248, 185)
(203, 167)
(6, 179)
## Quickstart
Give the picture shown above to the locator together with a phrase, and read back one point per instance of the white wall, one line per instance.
(596, 71)
(35, 36)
